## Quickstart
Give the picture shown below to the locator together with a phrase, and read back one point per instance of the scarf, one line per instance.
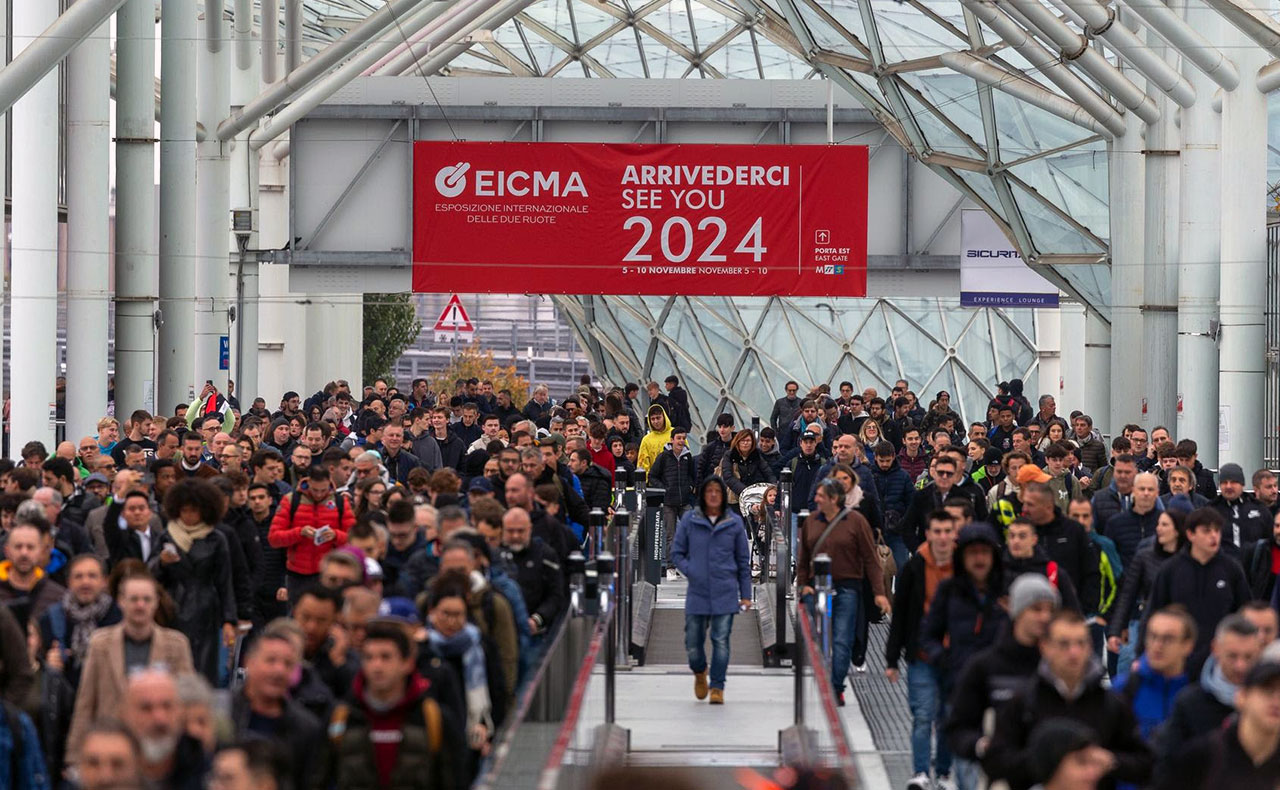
(1213, 681)
(84, 619)
(467, 644)
(184, 536)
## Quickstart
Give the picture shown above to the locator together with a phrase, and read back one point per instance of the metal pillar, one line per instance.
(1160, 269)
(292, 35)
(42, 55)
(136, 261)
(270, 40)
(1097, 371)
(1049, 336)
(244, 195)
(88, 230)
(1243, 272)
(1200, 240)
(1126, 173)
(213, 204)
(323, 88)
(175, 365)
(33, 317)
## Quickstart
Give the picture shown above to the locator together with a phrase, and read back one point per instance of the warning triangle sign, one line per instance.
(454, 318)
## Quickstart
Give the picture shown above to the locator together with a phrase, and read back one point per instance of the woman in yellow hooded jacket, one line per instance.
(656, 439)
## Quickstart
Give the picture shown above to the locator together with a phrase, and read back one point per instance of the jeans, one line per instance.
(968, 774)
(1128, 650)
(672, 515)
(896, 545)
(695, 638)
(924, 697)
(846, 615)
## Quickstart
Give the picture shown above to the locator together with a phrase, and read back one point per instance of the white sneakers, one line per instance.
(673, 574)
(920, 781)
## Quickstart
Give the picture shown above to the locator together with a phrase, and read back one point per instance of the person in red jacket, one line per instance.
(310, 522)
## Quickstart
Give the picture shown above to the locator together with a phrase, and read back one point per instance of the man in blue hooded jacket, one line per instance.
(710, 549)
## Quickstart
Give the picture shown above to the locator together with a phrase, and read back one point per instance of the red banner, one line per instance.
(578, 218)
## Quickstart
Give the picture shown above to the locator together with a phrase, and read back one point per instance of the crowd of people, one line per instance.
(353, 589)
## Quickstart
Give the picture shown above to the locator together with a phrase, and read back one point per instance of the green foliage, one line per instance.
(390, 326)
(474, 362)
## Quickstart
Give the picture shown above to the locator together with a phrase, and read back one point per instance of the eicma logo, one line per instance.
(452, 179)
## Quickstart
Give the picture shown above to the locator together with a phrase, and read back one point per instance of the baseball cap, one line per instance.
(552, 438)
(398, 610)
(97, 477)
(992, 456)
(1030, 473)
(480, 484)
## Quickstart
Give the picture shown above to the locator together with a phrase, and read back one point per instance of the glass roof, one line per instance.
(1027, 142)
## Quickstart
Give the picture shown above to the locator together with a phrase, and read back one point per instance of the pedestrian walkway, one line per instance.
(878, 720)
(669, 727)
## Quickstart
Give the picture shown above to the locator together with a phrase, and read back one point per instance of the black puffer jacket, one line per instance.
(989, 681)
(1069, 545)
(1139, 575)
(1009, 757)
(1210, 592)
(739, 472)
(597, 487)
(962, 621)
(675, 476)
(1039, 563)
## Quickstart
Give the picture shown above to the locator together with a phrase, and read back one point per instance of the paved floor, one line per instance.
(880, 725)
(670, 727)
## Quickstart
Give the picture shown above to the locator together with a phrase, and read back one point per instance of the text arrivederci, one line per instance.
(692, 188)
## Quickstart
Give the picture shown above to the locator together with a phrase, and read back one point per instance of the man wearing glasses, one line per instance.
(1161, 673)
(945, 474)
(786, 408)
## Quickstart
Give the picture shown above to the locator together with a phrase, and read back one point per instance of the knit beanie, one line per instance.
(1030, 589)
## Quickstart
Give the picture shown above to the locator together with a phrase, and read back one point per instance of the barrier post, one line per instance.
(653, 539)
(624, 577)
(605, 568)
(783, 558)
(577, 569)
(596, 521)
(824, 589)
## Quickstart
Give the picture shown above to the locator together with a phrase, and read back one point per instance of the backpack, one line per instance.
(430, 716)
(295, 502)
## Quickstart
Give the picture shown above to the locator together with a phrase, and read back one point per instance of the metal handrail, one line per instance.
(555, 759)
(507, 734)
(810, 654)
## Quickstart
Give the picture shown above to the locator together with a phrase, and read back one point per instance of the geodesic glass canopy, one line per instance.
(1040, 172)
(735, 354)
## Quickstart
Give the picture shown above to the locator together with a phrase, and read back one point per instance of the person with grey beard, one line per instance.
(153, 712)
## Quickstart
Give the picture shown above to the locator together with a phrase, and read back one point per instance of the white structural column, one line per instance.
(1126, 175)
(1049, 349)
(1243, 273)
(175, 364)
(213, 204)
(1199, 248)
(1076, 382)
(244, 195)
(1097, 370)
(136, 261)
(33, 317)
(88, 230)
(1160, 269)
(293, 36)
(334, 338)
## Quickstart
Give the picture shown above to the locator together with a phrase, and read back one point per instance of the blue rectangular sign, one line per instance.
(224, 353)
